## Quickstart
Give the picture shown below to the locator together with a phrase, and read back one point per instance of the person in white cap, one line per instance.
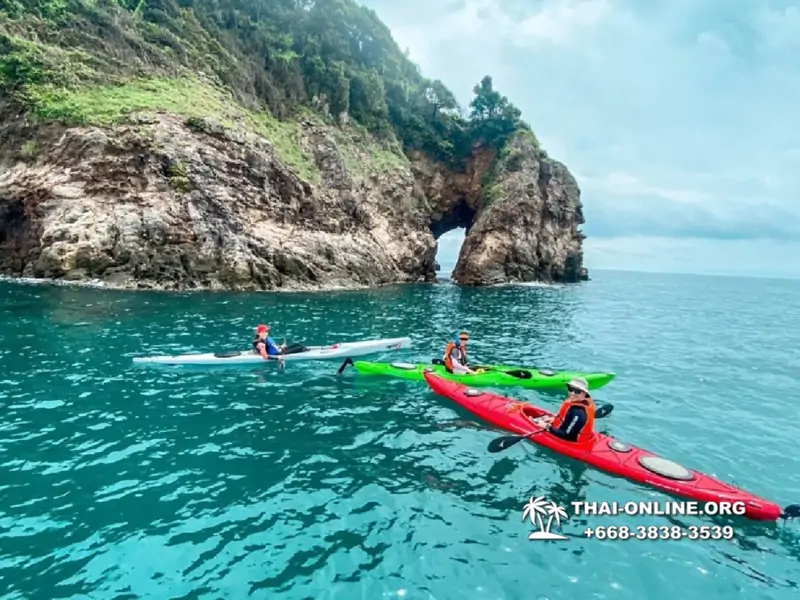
(575, 419)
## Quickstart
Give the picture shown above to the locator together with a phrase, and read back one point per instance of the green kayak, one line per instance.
(500, 375)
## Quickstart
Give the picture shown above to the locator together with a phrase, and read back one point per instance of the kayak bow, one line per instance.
(607, 453)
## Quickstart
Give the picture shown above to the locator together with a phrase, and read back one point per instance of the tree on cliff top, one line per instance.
(492, 117)
(332, 55)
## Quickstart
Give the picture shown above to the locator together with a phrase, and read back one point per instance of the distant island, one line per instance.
(259, 145)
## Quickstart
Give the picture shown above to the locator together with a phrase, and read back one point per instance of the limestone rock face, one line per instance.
(163, 205)
(168, 204)
(527, 228)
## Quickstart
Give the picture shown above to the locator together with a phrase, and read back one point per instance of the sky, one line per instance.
(680, 119)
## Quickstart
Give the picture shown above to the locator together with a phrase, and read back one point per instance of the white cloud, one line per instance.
(625, 184)
(560, 22)
(429, 26)
(780, 28)
(712, 42)
(678, 117)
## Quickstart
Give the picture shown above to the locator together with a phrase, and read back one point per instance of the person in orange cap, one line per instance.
(264, 345)
(268, 349)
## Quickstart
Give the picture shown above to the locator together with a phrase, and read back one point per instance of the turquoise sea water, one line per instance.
(119, 481)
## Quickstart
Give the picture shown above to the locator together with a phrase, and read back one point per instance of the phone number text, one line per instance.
(663, 532)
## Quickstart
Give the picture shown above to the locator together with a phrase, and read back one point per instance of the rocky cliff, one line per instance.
(160, 203)
(218, 194)
(526, 226)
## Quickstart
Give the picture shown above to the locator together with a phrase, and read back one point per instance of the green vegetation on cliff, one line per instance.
(93, 61)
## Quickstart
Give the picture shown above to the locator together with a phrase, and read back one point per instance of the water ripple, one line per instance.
(121, 482)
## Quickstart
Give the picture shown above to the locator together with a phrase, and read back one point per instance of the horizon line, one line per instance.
(655, 271)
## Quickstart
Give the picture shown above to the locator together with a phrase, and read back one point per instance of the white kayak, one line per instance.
(246, 357)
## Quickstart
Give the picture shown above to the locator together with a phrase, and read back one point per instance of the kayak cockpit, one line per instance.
(531, 412)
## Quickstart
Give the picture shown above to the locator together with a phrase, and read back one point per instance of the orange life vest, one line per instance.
(448, 358)
(587, 433)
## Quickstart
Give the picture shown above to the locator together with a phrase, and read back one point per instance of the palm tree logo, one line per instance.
(535, 510)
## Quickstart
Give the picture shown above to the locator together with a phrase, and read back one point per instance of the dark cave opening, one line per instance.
(13, 219)
(16, 236)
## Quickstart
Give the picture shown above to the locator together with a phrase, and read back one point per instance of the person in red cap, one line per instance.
(264, 345)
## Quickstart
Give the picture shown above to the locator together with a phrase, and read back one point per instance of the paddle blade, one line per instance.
(603, 411)
(505, 442)
(791, 512)
(347, 361)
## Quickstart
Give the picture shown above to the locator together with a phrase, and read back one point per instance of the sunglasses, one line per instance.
(464, 339)
(573, 390)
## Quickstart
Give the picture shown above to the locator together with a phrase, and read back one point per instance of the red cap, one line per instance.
(261, 328)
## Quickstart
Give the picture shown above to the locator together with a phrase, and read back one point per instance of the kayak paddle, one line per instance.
(347, 361)
(791, 512)
(502, 443)
(516, 373)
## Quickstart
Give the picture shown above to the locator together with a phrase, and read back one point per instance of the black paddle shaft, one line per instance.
(506, 441)
(347, 362)
(517, 373)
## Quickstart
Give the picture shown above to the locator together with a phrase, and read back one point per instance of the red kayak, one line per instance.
(608, 454)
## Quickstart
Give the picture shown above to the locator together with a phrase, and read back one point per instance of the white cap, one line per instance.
(579, 383)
